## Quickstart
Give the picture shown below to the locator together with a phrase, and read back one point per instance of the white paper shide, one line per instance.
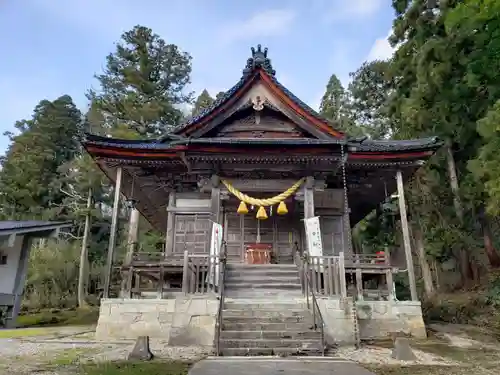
(313, 238)
(215, 250)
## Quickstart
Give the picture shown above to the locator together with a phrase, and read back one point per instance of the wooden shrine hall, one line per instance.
(258, 161)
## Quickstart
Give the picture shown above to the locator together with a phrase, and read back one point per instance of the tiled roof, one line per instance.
(259, 60)
(9, 226)
(355, 145)
(369, 145)
(158, 145)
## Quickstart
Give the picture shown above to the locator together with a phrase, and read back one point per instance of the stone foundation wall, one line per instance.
(177, 321)
(377, 319)
(339, 327)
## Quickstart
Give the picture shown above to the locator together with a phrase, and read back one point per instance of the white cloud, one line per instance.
(381, 49)
(362, 7)
(333, 10)
(268, 23)
(284, 79)
(317, 101)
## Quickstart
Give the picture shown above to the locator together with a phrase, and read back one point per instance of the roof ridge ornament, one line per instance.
(259, 59)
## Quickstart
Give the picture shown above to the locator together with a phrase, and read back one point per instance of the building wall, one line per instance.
(9, 271)
(191, 229)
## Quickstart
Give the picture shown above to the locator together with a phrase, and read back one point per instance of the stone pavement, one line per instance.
(276, 366)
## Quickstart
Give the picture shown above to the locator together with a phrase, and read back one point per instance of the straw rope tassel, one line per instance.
(263, 202)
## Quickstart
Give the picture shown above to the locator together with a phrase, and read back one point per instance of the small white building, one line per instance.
(16, 238)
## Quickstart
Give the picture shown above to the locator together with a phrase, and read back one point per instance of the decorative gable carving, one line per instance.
(258, 114)
(262, 124)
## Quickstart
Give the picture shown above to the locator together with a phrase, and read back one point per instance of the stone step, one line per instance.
(264, 293)
(265, 343)
(264, 285)
(245, 319)
(258, 272)
(262, 267)
(271, 335)
(261, 278)
(244, 279)
(282, 352)
(252, 325)
(268, 312)
(261, 305)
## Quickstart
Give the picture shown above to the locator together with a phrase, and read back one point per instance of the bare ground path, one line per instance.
(276, 366)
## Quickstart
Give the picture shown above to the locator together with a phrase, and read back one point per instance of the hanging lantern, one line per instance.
(261, 213)
(282, 210)
(242, 208)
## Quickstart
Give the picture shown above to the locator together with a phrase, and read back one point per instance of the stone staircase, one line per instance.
(265, 313)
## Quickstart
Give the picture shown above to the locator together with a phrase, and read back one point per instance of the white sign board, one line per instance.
(215, 250)
(313, 238)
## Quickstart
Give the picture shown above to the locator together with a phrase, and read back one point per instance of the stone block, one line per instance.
(402, 350)
(165, 317)
(197, 307)
(164, 305)
(141, 350)
(180, 319)
(182, 304)
(199, 332)
(212, 306)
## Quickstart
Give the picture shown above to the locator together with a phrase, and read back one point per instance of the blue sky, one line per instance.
(54, 47)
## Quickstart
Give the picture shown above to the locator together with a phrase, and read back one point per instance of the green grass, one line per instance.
(71, 356)
(83, 316)
(136, 368)
(29, 332)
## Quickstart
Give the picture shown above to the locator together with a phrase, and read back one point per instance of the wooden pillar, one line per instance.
(169, 237)
(359, 279)
(309, 198)
(390, 284)
(406, 236)
(133, 231)
(216, 199)
(113, 232)
(19, 281)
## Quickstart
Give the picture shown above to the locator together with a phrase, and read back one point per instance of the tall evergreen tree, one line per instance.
(369, 93)
(333, 99)
(29, 179)
(203, 101)
(143, 84)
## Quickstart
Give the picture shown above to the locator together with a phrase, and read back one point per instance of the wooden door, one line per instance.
(283, 246)
(233, 223)
(192, 233)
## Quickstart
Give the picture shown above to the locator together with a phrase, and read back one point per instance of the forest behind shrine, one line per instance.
(442, 81)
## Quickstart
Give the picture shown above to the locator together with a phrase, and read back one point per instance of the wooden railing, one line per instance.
(311, 299)
(222, 280)
(148, 256)
(381, 259)
(326, 273)
(201, 273)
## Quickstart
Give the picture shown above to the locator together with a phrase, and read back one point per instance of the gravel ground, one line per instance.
(382, 356)
(43, 354)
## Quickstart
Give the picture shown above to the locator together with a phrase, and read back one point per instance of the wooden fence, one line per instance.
(201, 273)
(326, 275)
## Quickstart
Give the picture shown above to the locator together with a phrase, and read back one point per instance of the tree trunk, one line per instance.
(491, 253)
(418, 242)
(463, 256)
(82, 274)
